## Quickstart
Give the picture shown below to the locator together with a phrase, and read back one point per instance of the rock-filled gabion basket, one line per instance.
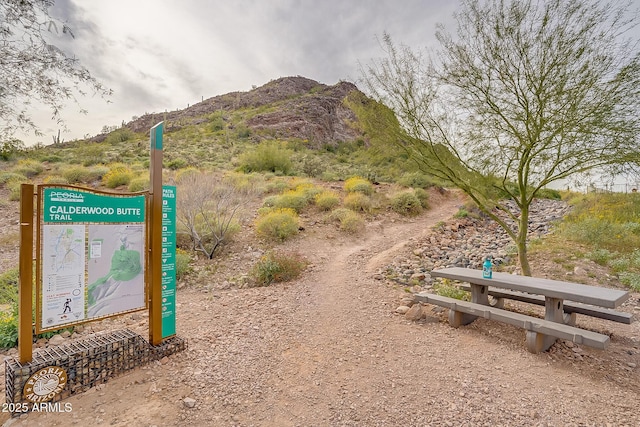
(87, 362)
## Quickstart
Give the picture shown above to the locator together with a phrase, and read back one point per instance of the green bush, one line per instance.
(327, 200)
(77, 174)
(414, 180)
(176, 164)
(118, 175)
(267, 157)
(357, 184)
(631, 280)
(55, 179)
(423, 196)
(549, 193)
(307, 190)
(349, 221)
(288, 200)
(28, 168)
(445, 289)
(11, 176)
(278, 224)
(139, 184)
(312, 166)
(15, 188)
(182, 263)
(120, 135)
(358, 202)
(9, 327)
(276, 267)
(406, 203)
(600, 256)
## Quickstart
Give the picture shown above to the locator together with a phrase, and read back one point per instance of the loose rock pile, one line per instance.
(466, 242)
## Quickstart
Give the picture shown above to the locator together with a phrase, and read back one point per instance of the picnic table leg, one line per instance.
(479, 295)
(553, 311)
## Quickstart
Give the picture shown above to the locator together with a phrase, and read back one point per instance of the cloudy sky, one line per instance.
(160, 55)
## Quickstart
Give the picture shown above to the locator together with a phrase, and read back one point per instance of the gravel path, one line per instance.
(329, 350)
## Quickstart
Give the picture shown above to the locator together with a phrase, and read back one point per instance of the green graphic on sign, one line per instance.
(168, 261)
(71, 206)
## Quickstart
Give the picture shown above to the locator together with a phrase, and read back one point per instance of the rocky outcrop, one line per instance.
(466, 242)
(299, 108)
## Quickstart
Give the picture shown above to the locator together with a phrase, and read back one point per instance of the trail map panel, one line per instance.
(116, 279)
(63, 267)
(92, 255)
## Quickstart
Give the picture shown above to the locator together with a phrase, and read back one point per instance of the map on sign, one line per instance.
(63, 274)
(116, 269)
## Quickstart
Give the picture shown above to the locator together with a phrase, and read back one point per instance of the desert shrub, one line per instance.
(14, 185)
(291, 200)
(118, 175)
(55, 179)
(327, 200)
(97, 172)
(446, 289)
(312, 166)
(307, 190)
(139, 184)
(423, 196)
(349, 221)
(186, 174)
(549, 193)
(120, 135)
(600, 256)
(357, 184)
(278, 224)
(243, 131)
(275, 267)
(414, 180)
(10, 149)
(631, 279)
(176, 164)
(182, 263)
(11, 176)
(406, 203)
(357, 202)
(9, 318)
(269, 157)
(28, 168)
(77, 174)
(92, 154)
(207, 209)
(9, 327)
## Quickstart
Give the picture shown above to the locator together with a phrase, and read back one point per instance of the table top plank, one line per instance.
(594, 295)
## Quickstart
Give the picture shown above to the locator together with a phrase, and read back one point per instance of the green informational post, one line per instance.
(168, 261)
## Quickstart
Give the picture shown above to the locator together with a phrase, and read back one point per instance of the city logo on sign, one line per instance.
(66, 196)
(45, 384)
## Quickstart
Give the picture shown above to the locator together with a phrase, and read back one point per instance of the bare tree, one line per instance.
(207, 209)
(33, 69)
(528, 93)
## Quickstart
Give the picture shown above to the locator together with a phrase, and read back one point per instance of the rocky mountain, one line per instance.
(289, 107)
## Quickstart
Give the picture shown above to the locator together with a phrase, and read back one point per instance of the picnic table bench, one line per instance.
(540, 333)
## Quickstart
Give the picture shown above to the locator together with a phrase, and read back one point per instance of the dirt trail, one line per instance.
(329, 350)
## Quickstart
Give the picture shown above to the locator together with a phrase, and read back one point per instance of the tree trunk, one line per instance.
(521, 243)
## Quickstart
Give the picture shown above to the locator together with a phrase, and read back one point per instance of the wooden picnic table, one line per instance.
(541, 333)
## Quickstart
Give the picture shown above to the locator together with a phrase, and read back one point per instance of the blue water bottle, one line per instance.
(487, 269)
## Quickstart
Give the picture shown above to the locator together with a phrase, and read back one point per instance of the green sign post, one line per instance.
(168, 261)
(155, 261)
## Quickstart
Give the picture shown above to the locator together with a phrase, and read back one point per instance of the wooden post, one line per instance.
(155, 258)
(25, 290)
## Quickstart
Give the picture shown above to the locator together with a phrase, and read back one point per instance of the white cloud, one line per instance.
(165, 54)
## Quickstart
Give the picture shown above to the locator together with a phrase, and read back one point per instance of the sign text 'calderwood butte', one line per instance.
(71, 206)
